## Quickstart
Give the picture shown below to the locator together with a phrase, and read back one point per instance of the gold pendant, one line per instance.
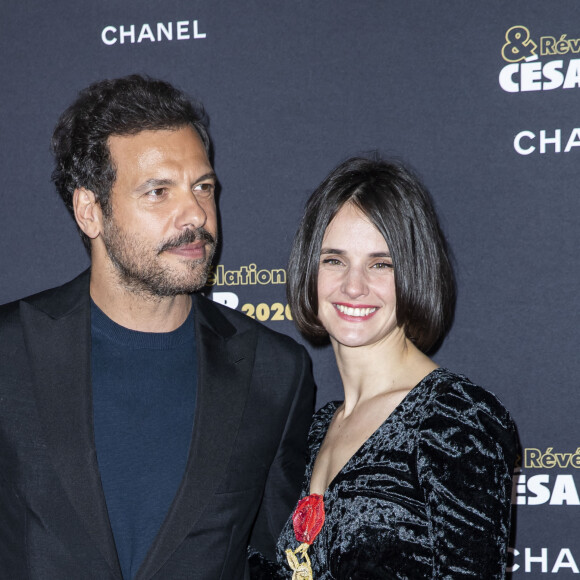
(302, 570)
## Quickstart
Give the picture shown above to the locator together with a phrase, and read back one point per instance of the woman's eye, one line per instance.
(382, 265)
(331, 261)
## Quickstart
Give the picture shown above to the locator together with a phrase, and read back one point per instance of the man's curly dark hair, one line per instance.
(123, 106)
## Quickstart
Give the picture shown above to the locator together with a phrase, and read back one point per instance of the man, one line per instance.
(145, 431)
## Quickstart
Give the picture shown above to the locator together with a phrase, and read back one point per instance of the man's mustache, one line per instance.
(187, 237)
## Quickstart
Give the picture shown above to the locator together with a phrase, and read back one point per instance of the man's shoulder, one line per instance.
(54, 301)
(243, 323)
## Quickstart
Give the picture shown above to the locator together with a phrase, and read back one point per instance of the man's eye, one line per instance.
(157, 192)
(205, 188)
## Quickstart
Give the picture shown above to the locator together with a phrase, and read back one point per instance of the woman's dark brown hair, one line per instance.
(400, 207)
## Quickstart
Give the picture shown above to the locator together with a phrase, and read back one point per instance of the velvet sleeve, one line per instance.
(465, 455)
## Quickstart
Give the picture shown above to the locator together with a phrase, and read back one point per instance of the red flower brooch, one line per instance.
(308, 520)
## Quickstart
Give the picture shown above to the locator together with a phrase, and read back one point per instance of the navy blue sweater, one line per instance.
(144, 387)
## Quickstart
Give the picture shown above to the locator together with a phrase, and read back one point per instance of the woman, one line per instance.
(414, 466)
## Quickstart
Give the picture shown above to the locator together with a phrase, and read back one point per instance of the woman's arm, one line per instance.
(466, 452)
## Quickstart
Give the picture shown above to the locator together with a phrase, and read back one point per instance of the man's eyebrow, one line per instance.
(209, 175)
(154, 183)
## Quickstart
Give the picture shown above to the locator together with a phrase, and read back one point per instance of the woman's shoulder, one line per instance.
(455, 395)
(464, 422)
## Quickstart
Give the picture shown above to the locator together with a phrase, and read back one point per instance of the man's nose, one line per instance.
(190, 213)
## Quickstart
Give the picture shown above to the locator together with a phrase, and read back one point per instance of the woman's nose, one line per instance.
(355, 283)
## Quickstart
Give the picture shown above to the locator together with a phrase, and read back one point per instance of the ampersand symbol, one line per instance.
(519, 45)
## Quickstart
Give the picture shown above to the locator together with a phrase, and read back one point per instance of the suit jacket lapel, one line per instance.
(57, 331)
(225, 360)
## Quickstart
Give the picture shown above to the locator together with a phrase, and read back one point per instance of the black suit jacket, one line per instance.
(246, 459)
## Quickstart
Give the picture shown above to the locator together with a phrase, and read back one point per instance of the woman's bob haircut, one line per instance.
(400, 207)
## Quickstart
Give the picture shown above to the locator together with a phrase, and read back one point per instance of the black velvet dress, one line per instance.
(426, 496)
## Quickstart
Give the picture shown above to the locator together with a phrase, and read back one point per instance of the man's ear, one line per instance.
(88, 213)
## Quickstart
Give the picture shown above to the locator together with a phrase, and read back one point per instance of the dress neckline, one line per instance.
(373, 435)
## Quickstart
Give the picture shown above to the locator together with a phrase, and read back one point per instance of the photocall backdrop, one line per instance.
(482, 99)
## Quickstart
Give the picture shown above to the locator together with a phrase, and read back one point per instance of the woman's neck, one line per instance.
(394, 364)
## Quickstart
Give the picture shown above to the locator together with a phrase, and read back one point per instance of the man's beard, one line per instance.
(143, 273)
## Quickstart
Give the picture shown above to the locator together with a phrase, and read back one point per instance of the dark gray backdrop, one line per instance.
(292, 88)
